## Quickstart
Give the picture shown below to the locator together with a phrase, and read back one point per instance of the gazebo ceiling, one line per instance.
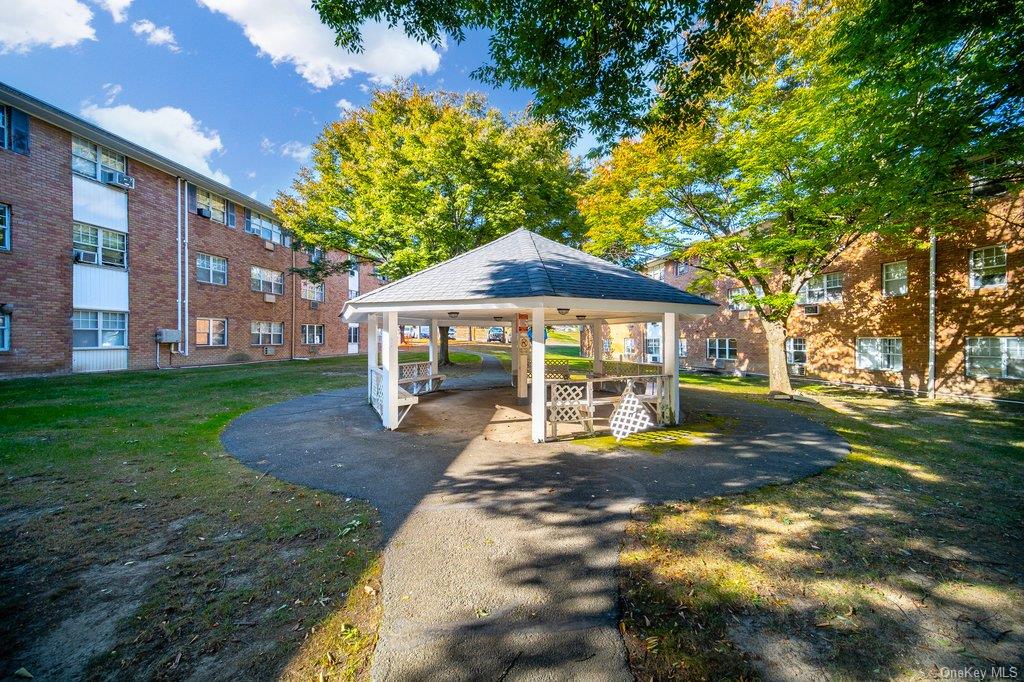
(523, 271)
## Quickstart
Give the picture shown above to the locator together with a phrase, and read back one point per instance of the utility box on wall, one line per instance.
(168, 336)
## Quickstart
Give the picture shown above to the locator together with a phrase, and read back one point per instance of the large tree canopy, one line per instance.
(416, 178)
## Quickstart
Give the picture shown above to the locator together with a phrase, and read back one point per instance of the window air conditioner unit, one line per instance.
(812, 309)
(269, 246)
(204, 212)
(270, 298)
(85, 256)
(797, 369)
(118, 178)
(313, 305)
(269, 350)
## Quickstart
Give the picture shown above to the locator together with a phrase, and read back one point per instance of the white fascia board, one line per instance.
(356, 310)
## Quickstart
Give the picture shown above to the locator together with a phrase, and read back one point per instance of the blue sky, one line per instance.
(237, 89)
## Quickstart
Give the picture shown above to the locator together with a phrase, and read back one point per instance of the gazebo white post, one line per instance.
(433, 346)
(670, 361)
(389, 349)
(597, 341)
(371, 353)
(538, 402)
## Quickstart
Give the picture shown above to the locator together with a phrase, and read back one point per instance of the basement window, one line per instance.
(796, 351)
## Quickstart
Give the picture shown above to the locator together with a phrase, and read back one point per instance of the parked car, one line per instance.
(451, 333)
(496, 335)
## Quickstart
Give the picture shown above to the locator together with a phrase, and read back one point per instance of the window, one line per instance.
(734, 297)
(894, 278)
(312, 291)
(316, 254)
(683, 352)
(880, 354)
(211, 269)
(653, 347)
(607, 344)
(988, 267)
(721, 349)
(657, 273)
(91, 160)
(313, 334)
(216, 205)
(5, 332)
(258, 224)
(680, 268)
(5, 227)
(827, 287)
(267, 333)
(267, 281)
(99, 246)
(995, 357)
(630, 346)
(796, 351)
(5, 127)
(96, 329)
(211, 331)
(353, 333)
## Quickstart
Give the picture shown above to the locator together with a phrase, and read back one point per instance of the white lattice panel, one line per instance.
(630, 416)
(568, 403)
(377, 391)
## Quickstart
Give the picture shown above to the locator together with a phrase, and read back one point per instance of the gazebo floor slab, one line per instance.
(500, 557)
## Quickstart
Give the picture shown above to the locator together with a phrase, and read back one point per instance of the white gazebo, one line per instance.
(523, 281)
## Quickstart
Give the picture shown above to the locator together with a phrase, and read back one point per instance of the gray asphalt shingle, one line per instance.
(523, 264)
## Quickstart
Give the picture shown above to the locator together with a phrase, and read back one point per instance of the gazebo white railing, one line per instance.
(576, 401)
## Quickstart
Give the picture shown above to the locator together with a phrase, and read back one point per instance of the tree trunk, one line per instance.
(443, 359)
(778, 372)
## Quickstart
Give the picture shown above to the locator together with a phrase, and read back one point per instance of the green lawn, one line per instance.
(135, 547)
(905, 558)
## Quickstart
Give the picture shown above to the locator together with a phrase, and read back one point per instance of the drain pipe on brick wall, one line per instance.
(185, 276)
(178, 302)
(931, 313)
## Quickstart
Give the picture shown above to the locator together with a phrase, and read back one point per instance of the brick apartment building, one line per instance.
(865, 320)
(103, 243)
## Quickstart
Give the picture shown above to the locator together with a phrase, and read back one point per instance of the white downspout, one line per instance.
(184, 333)
(178, 301)
(931, 313)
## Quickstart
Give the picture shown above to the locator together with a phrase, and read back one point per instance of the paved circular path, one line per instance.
(499, 559)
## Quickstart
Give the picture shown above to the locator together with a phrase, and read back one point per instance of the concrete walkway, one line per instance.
(500, 558)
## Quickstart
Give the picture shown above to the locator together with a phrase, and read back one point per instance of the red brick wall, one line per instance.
(864, 312)
(35, 275)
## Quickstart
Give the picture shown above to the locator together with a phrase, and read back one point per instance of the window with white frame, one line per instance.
(5, 332)
(312, 334)
(880, 354)
(211, 331)
(738, 294)
(267, 281)
(988, 267)
(894, 278)
(353, 333)
(215, 204)
(721, 349)
(99, 246)
(680, 268)
(630, 346)
(267, 333)
(312, 291)
(91, 160)
(5, 227)
(796, 351)
(822, 288)
(995, 357)
(652, 347)
(657, 272)
(5, 127)
(98, 329)
(607, 345)
(683, 352)
(259, 224)
(211, 269)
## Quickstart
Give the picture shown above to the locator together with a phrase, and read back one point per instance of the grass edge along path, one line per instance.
(899, 562)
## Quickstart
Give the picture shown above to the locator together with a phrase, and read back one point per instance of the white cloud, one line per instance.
(111, 90)
(26, 24)
(344, 106)
(117, 8)
(296, 150)
(291, 31)
(156, 35)
(251, 174)
(266, 146)
(168, 130)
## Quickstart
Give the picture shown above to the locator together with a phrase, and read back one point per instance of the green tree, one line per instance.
(769, 189)
(416, 178)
